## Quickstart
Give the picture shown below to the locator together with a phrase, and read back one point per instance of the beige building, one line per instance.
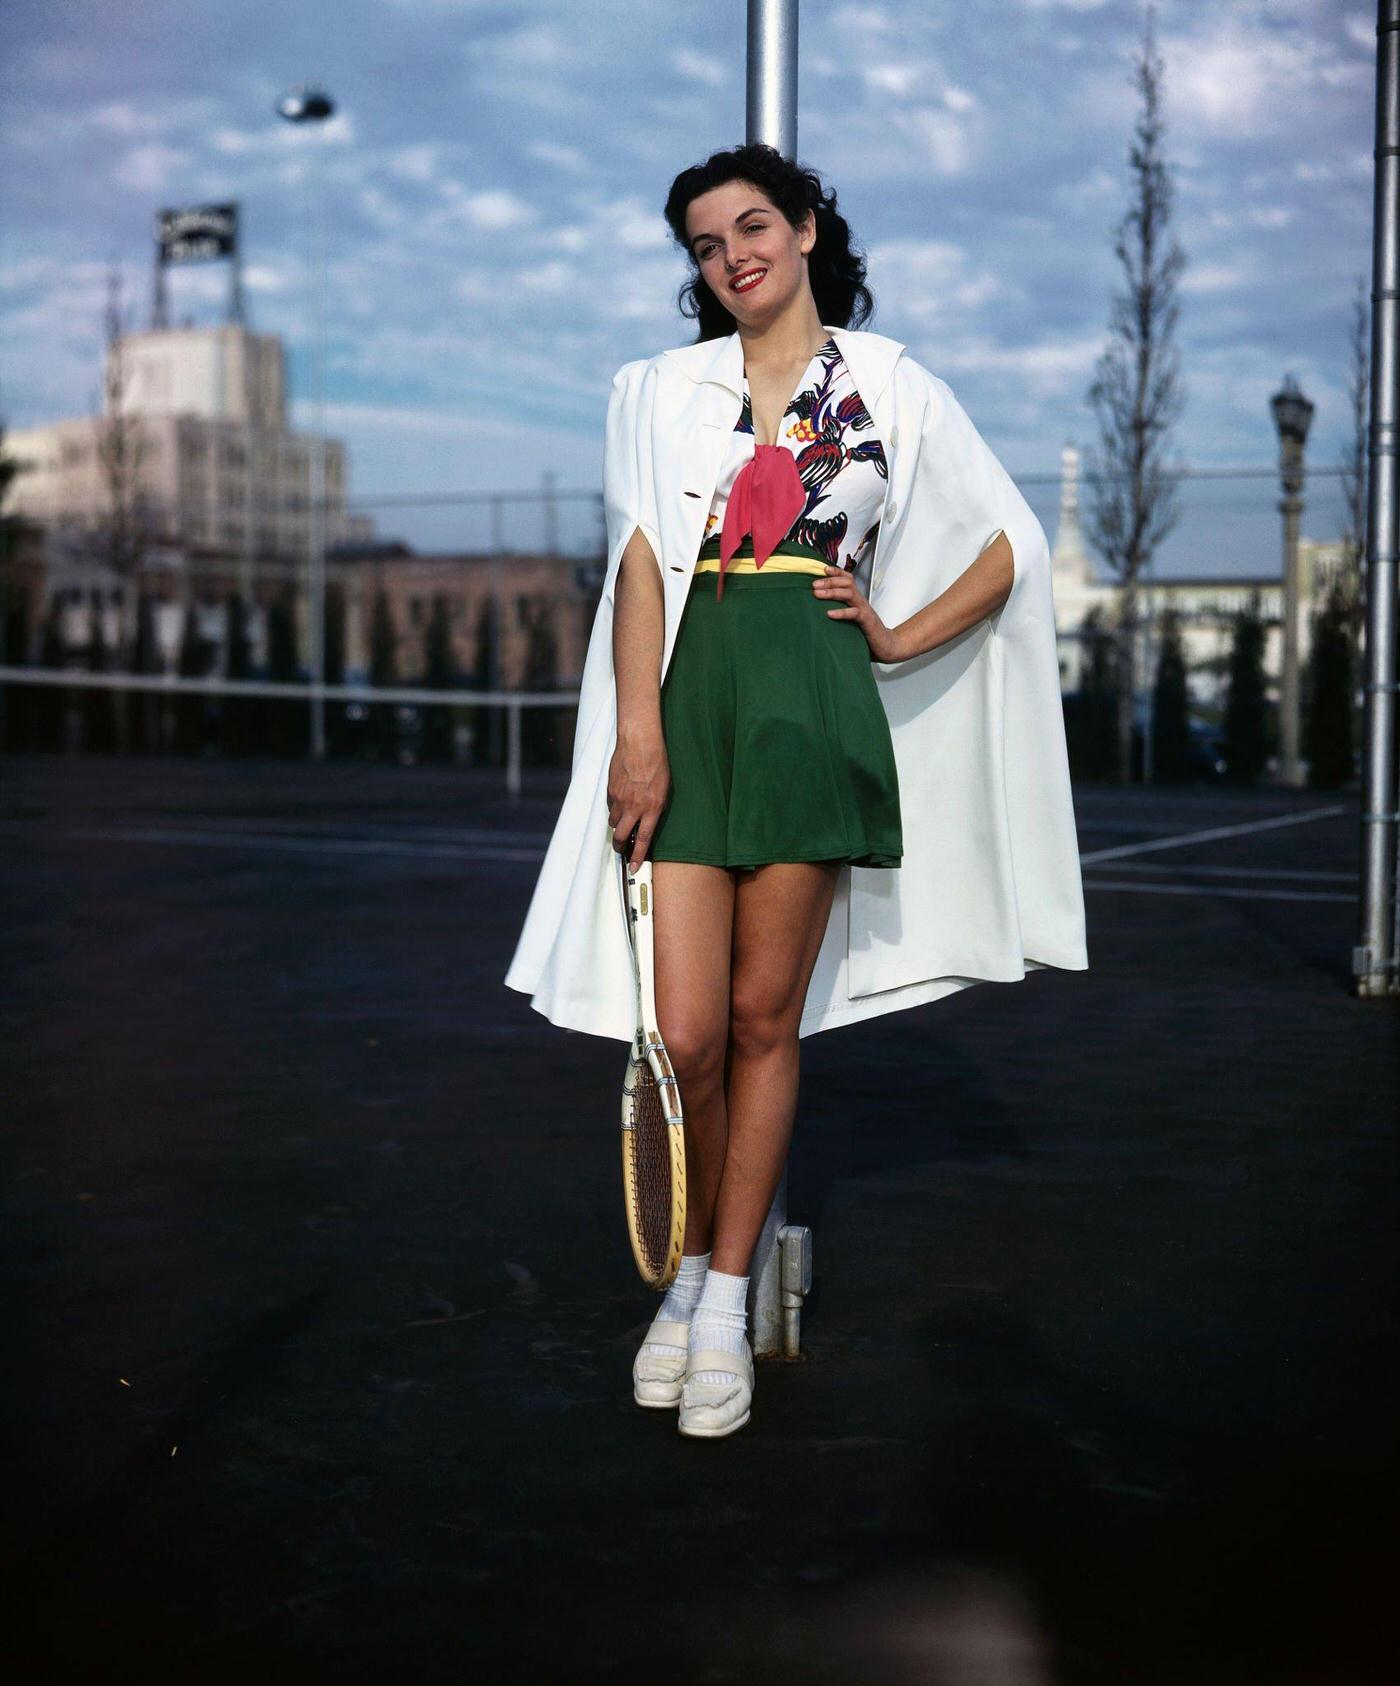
(193, 453)
(547, 604)
(1206, 605)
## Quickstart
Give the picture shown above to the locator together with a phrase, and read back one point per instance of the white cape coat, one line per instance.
(989, 886)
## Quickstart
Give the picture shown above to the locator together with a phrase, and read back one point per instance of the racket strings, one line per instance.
(651, 1161)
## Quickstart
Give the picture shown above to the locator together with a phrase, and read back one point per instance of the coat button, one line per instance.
(892, 511)
(894, 436)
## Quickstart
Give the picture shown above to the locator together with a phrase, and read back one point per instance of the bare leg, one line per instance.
(780, 918)
(694, 923)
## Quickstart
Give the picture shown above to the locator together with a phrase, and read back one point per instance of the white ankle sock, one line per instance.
(720, 1320)
(681, 1299)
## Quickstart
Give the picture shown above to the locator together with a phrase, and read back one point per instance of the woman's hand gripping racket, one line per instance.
(653, 1135)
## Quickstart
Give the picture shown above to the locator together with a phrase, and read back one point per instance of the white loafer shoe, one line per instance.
(712, 1409)
(657, 1376)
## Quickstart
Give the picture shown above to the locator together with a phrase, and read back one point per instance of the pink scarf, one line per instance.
(765, 499)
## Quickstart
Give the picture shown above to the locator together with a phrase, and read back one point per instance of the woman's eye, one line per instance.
(753, 228)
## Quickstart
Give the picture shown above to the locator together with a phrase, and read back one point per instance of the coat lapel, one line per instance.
(697, 420)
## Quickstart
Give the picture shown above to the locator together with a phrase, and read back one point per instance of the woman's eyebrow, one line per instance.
(761, 209)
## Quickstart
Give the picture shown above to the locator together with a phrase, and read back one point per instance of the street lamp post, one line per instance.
(1292, 417)
(313, 105)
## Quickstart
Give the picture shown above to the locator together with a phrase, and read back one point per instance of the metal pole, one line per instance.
(1149, 632)
(772, 75)
(771, 118)
(313, 105)
(551, 515)
(513, 750)
(1374, 957)
(1291, 508)
(5, 624)
(498, 544)
(318, 492)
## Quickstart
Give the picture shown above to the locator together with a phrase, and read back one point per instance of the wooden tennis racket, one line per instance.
(653, 1135)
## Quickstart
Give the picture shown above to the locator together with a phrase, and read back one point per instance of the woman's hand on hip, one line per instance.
(639, 783)
(838, 587)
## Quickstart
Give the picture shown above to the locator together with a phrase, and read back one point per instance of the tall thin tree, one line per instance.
(1171, 706)
(122, 445)
(1246, 707)
(1136, 392)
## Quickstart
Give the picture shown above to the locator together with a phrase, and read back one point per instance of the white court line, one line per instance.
(287, 845)
(1183, 839)
(1128, 888)
(393, 833)
(1238, 871)
(318, 829)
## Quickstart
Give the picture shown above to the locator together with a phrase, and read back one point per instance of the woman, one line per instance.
(782, 751)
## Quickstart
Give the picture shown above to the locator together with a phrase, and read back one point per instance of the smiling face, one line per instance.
(737, 234)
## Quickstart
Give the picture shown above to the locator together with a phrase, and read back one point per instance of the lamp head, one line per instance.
(1292, 412)
(307, 104)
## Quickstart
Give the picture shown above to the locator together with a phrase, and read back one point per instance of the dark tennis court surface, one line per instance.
(320, 1310)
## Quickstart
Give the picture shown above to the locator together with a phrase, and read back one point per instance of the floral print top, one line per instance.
(840, 462)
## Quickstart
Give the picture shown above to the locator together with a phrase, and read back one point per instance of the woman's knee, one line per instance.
(758, 1023)
(697, 1048)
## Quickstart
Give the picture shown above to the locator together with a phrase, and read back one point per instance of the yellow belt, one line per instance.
(774, 564)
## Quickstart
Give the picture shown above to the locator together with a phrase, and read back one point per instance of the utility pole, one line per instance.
(1374, 956)
(314, 105)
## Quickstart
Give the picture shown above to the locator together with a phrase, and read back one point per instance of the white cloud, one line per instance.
(121, 117)
(943, 138)
(633, 225)
(489, 208)
(1215, 277)
(901, 78)
(414, 163)
(386, 211)
(699, 67)
(1242, 75)
(928, 277)
(1270, 216)
(265, 278)
(1088, 192)
(863, 20)
(553, 277)
(149, 168)
(573, 237)
(534, 46)
(1361, 30)
(278, 138)
(566, 157)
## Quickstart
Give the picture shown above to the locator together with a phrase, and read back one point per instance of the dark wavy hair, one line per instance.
(835, 268)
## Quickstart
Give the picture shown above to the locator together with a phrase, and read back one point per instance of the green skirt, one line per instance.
(778, 742)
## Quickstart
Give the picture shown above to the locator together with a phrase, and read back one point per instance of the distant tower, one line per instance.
(196, 234)
(1069, 561)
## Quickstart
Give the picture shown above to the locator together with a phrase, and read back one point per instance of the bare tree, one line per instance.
(1351, 579)
(121, 445)
(1136, 392)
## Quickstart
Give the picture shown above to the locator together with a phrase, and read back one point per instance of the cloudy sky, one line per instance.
(494, 181)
